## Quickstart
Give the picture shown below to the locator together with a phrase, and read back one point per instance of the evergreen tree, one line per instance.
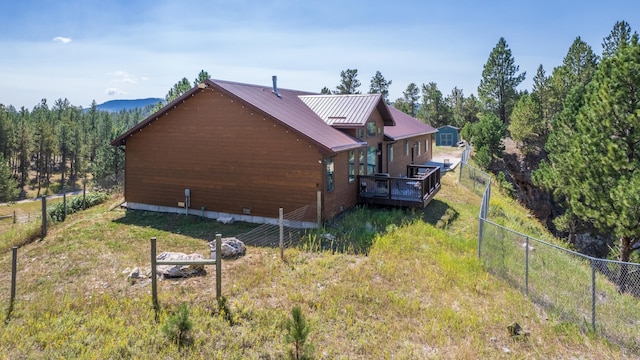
(470, 110)
(379, 85)
(527, 126)
(409, 103)
(434, 110)
(487, 136)
(455, 101)
(500, 77)
(349, 82)
(594, 152)
(8, 185)
(620, 34)
(578, 67)
(202, 76)
(325, 91)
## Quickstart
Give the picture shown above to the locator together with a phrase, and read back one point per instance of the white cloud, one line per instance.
(124, 77)
(62, 39)
(114, 91)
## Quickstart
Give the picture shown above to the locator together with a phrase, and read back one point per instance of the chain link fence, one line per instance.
(598, 294)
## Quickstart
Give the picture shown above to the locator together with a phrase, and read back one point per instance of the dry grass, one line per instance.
(420, 293)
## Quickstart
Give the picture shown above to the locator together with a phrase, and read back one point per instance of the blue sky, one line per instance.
(103, 50)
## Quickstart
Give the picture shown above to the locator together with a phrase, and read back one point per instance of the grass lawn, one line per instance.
(419, 292)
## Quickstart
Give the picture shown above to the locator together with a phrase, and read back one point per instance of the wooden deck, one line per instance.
(417, 189)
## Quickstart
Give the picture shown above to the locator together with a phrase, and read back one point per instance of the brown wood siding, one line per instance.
(398, 167)
(345, 193)
(229, 156)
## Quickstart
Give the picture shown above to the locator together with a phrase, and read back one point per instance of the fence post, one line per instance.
(14, 217)
(526, 273)
(64, 204)
(281, 223)
(44, 216)
(84, 194)
(14, 267)
(473, 179)
(593, 295)
(460, 173)
(218, 267)
(154, 280)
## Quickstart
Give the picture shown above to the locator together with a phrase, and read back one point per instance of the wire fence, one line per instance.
(295, 225)
(10, 220)
(598, 294)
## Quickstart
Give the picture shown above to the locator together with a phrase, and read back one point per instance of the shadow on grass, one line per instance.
(192, 225)
(439, 214)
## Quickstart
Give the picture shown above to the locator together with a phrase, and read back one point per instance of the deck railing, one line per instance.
(414, 190)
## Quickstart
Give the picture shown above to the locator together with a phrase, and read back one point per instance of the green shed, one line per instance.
(447, 136)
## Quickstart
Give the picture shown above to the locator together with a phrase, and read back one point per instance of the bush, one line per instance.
(75, 204)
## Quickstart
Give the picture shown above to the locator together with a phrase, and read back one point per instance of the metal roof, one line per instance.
(287, 108)
(406, 126)
(314, 117)
(352, 110)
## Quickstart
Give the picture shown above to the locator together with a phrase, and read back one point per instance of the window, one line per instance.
(390, 152)
(426, 145)
(371, 128)
(361, 163)
(360, 133)
(352, 165)
(406, 148)
(371, 160)
(418, 144)
(329, 170)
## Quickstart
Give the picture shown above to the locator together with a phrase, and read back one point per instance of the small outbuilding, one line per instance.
(447, 136)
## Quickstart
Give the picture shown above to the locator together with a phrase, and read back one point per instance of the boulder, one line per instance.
(230, 248)
(173, 271)
(594, 246)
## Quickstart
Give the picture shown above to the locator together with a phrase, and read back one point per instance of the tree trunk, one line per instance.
(625, 255)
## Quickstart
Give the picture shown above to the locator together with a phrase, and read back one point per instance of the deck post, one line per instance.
(281, 223)
(319, 209)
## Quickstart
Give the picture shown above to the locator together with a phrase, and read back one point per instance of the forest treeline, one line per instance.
(61, 142)
(578, 129)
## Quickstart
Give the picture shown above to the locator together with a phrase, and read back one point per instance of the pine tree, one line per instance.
(500, 77)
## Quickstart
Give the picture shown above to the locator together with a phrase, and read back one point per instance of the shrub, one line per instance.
(178, 326)
(75, 204)
(297, 333)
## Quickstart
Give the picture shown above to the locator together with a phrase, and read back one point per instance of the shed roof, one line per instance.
(406, 126)
(287, 108)
(449, 127)
(347, 111)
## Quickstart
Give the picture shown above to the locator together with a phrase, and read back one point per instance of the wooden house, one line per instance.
(226, 149)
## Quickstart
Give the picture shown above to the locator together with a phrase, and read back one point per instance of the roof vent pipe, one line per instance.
(275, 85)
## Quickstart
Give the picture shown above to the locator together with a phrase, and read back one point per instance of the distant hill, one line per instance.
(117, 105)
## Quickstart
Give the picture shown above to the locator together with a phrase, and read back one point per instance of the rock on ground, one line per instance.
(230, 248)
(172, 271)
